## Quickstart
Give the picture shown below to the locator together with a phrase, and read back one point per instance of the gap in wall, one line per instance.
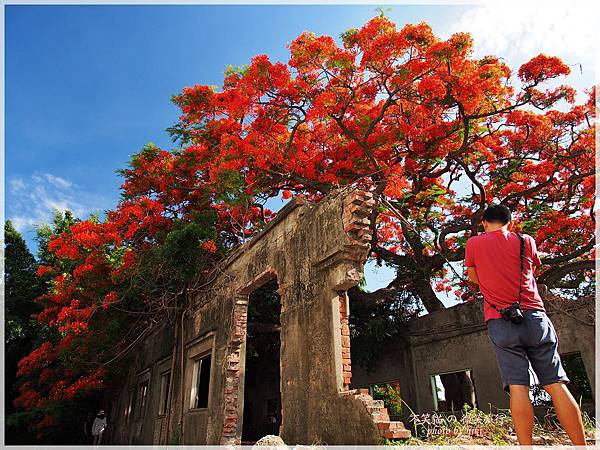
(262, 393)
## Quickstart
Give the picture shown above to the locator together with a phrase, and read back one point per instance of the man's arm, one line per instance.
(470, 264)
(534, 253)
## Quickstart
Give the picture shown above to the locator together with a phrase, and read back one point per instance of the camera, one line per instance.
(513, 313)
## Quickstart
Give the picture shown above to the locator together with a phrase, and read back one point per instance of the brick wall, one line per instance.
(345, 330)
(230, 434)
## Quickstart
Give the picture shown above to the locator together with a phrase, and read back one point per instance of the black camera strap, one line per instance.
(522, 256)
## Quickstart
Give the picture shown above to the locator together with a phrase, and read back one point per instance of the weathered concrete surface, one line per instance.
(151, 358)
(316, 252)
(456, 339)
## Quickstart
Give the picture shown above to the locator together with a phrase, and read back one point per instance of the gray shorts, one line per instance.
(532, 341)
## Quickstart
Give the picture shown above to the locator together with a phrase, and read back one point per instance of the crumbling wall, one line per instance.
(149, 359)
(316, 252)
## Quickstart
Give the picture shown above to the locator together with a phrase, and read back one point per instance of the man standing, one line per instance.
(493, 262)
(98, 427)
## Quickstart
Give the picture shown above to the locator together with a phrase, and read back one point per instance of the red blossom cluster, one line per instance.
(405, 109)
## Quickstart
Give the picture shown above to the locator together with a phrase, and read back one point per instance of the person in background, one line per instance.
(99, 427)
(493, 262)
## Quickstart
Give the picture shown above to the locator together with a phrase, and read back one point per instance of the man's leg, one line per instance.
(521, 411)
(547, 364)
(514, 369)
(567, 411)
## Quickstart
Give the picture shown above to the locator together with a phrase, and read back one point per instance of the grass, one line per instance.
(476, 427)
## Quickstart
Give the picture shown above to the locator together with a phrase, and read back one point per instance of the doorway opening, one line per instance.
(453, 390)
(262, 393)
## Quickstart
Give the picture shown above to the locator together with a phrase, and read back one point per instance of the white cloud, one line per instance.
(519, 30)
(21, 224)
(57, 181)
(33, 200)
(16, 184)
(511, 27)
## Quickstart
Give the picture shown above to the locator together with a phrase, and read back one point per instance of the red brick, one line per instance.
(396, 434)
(352, 227)
(390, 425)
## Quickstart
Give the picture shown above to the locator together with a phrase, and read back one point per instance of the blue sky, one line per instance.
(86, 86)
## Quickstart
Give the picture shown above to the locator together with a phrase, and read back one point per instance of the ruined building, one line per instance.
(266, 347)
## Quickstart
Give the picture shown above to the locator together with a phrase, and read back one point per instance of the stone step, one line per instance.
(390, 425)
(375, 409)
(376, 404)
(396, 434)
(349, 392)
(358, 393)
(381, 415)
(354, 394)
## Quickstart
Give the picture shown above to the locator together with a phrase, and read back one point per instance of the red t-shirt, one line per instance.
(496, 258)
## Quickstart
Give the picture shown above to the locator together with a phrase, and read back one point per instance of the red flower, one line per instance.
(108, 299)
(209, 246)
(43, 270)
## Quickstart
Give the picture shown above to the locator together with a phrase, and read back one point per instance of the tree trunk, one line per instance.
(424, 291)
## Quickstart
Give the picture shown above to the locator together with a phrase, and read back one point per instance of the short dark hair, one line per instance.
(497, 214)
